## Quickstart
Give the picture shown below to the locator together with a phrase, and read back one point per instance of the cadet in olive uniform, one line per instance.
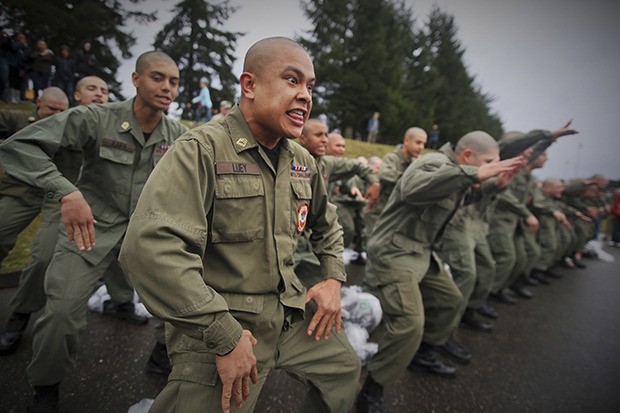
(511, 212)
(19, 203)
(314, 138)
(121, 142)
(219, 265)
(30, 295)
(419, 299)
(464, 247)
(392, 167)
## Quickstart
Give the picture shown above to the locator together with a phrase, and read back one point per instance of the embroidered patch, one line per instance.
(302, 217)
(242, 142)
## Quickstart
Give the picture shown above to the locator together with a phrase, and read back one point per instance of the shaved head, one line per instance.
(310, 125)
(147, 59)
(478, 142)
(54, 93)
(262, 52)
(414, 132)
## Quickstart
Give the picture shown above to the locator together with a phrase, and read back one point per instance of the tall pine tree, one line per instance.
(195, 38)
(359, 48)
(104, 22)
(457, 104)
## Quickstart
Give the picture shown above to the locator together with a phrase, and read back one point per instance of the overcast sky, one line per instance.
(544, 61)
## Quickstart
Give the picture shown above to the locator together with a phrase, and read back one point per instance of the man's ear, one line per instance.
(246, 82)
(134, 79)
(467, 154)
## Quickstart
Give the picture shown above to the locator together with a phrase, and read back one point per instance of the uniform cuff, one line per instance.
(223, 335)
(57, 190)
(332, 267)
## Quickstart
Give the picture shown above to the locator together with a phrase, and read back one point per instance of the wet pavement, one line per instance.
(558, 352)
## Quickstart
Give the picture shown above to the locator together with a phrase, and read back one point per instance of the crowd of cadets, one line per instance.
(27, 68)
(518, 233)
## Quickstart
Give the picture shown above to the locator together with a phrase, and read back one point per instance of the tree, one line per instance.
(456, 103)
(359, 48)
(103, 22)
(196, 40)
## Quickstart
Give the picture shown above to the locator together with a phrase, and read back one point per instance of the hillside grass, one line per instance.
(20, 255)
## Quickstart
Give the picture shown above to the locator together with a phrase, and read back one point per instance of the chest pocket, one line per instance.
(116, 155)
(239, 209)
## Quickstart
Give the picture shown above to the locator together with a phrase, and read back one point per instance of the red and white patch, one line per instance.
(302, 217)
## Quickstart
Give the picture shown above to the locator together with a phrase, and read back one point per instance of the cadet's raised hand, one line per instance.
(563, 131)
(532, 223)
(236, 369)
(326, 295)
(78, 220)
(489, 170)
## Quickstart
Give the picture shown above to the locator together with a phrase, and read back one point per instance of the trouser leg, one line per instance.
(400, 333)
(485, 273)
(442, 300)
(69, 282)
(505, 256)
(15, 217)
(330, 369)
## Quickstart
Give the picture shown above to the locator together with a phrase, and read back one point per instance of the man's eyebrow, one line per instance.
(297, 72)
(156, 72)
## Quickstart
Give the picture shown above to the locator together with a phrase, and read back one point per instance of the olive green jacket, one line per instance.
(422, 203)
(216, 228)
(117, 163)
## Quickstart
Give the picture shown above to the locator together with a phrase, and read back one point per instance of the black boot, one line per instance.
(540, 276)
(470, 319)
(45, 399)
(427, 360)
(453, 349)
(159, 362)
(125, 311)
(488, 311)
(521, 290)
(12, 335)
(503, 297)
(370, 399)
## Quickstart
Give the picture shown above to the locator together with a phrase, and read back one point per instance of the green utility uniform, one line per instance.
(464, 247)
(26, 203)
(392, 167)
(513, 246)
(117, 162)
(508, 238)
(555, 240)
(419, 299)
(19, 204)
(573, 197)
(222, 260)
(332, 169)
(341, 172)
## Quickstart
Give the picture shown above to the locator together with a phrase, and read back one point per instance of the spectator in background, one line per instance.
(42, 60)
(18, 67)
(5, 52)
(65, 70)
(225, 107)
(188, 112)
(433, 137)
(373, 127)
(203, 112)
(85, 61)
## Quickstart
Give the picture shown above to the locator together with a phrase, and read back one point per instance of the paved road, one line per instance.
(559, 352)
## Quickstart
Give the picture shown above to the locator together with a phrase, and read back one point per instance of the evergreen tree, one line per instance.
(196, 40)
(103, 22)
(359, 48)
(458, 104)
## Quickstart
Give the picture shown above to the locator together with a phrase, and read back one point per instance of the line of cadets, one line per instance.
(532, 228)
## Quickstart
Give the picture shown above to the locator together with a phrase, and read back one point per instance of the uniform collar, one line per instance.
(127, 123)
(240, 135)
